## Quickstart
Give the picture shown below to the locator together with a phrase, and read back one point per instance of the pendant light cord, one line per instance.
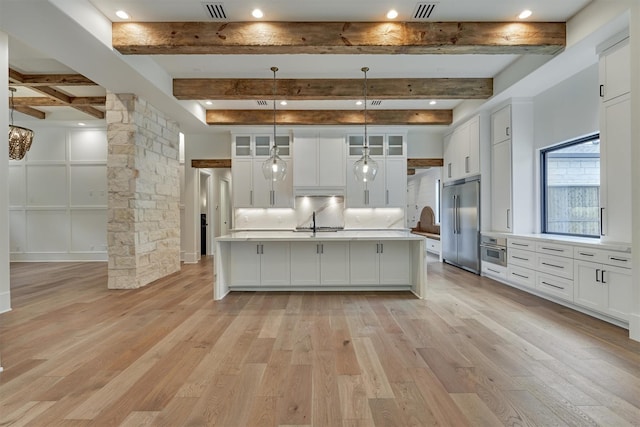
(274, 69)
(366, 141)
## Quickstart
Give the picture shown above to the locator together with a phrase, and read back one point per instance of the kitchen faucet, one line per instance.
(314, 222)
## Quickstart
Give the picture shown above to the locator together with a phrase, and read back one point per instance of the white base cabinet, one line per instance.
(260, 264)
(383, 262)
(604, 288)
(319, 263)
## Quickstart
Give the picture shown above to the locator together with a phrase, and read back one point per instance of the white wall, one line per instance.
(425, 143)
(5, 292)
(58, 197)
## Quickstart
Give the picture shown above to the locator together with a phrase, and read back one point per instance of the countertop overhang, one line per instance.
(286, 235)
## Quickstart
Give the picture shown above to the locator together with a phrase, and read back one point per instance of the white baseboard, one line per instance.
(5, 302)
(191, 257)
(634, 326)
(58, 256)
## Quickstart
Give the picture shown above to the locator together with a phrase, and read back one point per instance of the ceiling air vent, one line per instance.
(215, 11)
(376, 103)
(262, 103)
(423, 11)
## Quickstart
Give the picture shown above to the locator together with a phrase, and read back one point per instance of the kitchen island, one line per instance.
(345, 260)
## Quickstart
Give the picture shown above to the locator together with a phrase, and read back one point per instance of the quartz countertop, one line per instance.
(266, 235)
(571, 240)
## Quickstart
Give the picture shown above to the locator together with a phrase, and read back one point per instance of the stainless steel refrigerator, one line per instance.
(460, 232)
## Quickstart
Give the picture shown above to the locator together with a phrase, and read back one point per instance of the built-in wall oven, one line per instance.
(494, 250)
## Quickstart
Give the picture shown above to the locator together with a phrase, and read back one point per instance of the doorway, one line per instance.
(205, 217)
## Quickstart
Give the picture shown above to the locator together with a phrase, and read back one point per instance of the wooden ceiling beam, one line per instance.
(424, 163)
(333, 89)
(179, 38)
(31, 80)
(30, 112)
(93, 112)
(211, 163)
(329, 117)
(37, 101)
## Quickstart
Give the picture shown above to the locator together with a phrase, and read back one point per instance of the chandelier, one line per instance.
(20, 138)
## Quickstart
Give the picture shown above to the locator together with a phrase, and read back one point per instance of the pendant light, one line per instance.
(365, 169)
(274, 168)
(20, 138)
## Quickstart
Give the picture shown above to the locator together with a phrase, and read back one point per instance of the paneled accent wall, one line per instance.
(58, 197)
(143, 228)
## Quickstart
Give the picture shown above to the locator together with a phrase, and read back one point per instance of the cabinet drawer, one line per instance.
(521, 276)
(494, 270)
(619, 259)
(528, 245)
(554, 249)
(556, 286)
(522, 258)
(433, 245)
(558, 266)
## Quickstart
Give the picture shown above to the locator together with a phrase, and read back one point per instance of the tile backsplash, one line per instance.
(330, 212)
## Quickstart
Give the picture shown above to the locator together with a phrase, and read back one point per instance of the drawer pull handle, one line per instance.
(517, 257)
(553, 286)
(585, 254)
(553, 265)
(520, 275)
(553, 249)
(493, 271)
(612, 258)
(526, 245)
(602, 276)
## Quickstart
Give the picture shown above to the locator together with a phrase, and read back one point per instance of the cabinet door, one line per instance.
(501, 214)
(364, 263)
(356, 189)
(395, 263)
(305, 263)
(331, 162)
(284, 190)
(501, 125)
(261, 186)
(242, 146)
(448, 155)
(615, 71)
(396, 180)
(334, 265)
(588, 290)
(242, 172)
(305, 167)
(472, 159)
(615, 169)
(620, 291)
(245, 264)
(275, 264)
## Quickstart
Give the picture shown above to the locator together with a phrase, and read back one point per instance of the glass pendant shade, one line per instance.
(274, 168)
(365, 169)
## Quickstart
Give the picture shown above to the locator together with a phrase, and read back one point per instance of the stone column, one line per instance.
(143, 230)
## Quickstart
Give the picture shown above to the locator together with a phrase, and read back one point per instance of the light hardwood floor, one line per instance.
(475, 353)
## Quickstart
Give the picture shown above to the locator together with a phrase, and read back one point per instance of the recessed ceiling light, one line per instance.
(81, 124)
(525, 14)
(432, 102)
(257, 13)
(122, 14)
(208, 102)
(358, 102)
(283, 102)
(392, 14)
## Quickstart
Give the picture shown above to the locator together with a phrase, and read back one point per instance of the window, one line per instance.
(571, 188)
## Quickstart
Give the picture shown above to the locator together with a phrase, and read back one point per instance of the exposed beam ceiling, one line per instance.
(329, 117)
(176, 38)
(424, 163)
(333, 89)
(43, 83)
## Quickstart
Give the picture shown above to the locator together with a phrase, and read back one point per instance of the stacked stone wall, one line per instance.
(143, 230)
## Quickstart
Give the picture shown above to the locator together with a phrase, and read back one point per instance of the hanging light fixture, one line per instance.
(365, 168)
(274, 168)
(20, 138)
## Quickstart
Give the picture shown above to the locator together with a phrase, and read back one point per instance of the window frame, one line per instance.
(543, 184)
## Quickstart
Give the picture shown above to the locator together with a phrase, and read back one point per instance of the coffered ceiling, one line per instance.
(323, 78)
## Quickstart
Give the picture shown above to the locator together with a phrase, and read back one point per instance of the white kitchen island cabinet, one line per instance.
(350, 260)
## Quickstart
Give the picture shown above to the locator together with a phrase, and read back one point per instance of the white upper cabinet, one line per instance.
(615, 71)
(250, 187)
(462, 151)
(501, 125)
(319, 162)
(389, 188)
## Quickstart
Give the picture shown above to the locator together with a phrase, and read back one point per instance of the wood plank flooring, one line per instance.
(474, 353)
